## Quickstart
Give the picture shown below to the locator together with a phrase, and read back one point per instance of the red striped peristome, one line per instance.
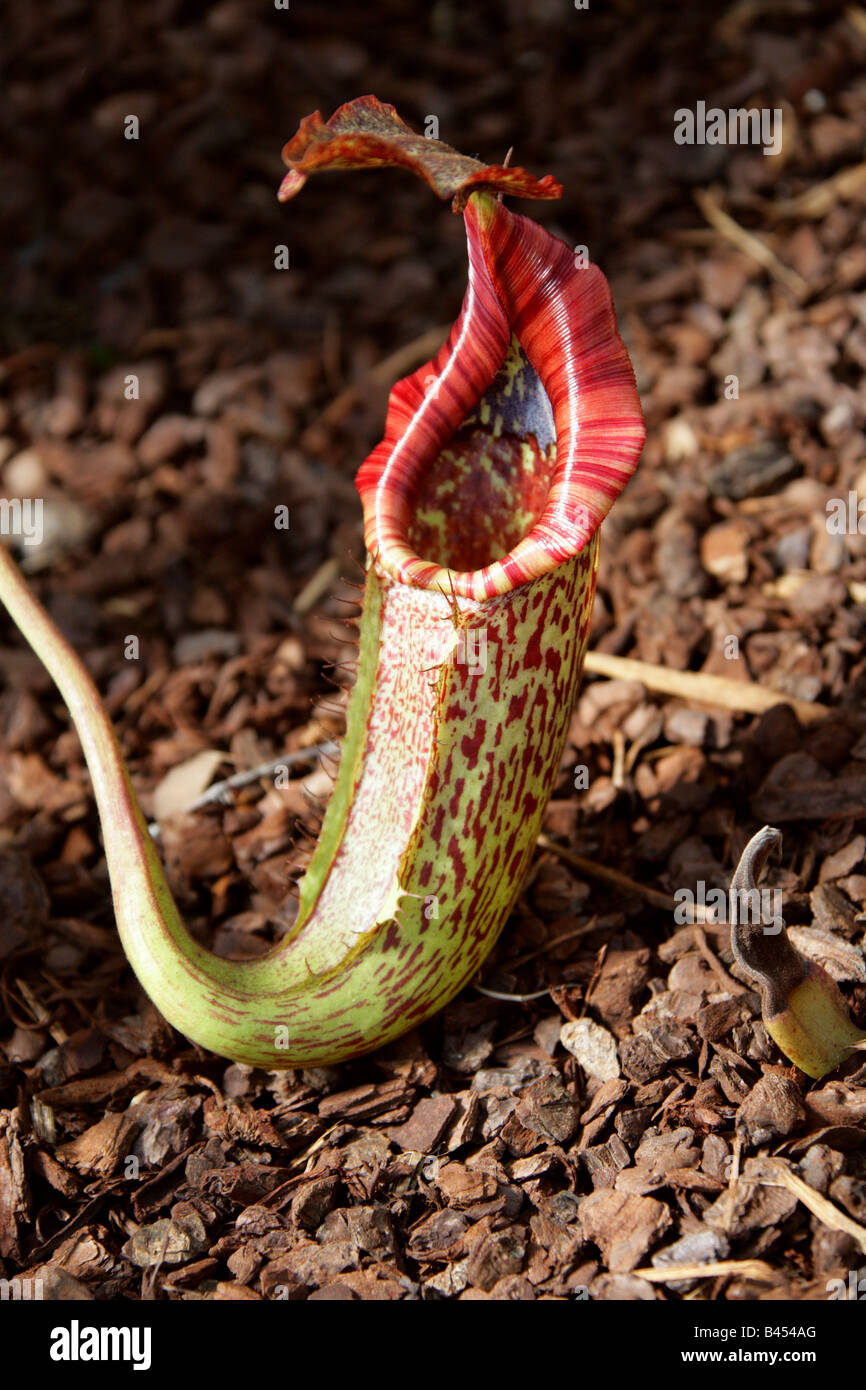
(524, 283)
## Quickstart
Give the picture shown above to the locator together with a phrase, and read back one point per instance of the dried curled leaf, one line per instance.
(367, 133)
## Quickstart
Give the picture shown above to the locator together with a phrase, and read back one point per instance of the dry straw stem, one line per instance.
(601, 871)
(819, 1206)
(317, 586)
(743, 697)
(405, 359)
(746, 1269)
(513, 998)
(821, 198)
(748, 243)
(628, 885)
(856, 17)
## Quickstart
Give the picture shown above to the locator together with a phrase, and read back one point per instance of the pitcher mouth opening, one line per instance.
(484, 493)
(504, 453)
(482, 497)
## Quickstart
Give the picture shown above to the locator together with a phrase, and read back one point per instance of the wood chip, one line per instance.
(623, 1227)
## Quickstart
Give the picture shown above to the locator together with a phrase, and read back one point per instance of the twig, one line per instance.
(748, 1269)
(593, 980)
(383, 373)
(617, 772)
(856, 18)
(221, 791)
(818, 200)
(727, 981)
(585, 930)
(590, 926)
(318, 584)
(514, 998)
(819, 1206)
(750, 244)
(744, 697)
(729, 1196)
(601, 871)
(702, 917)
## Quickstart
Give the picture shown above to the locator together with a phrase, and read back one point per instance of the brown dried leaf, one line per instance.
(367, 134)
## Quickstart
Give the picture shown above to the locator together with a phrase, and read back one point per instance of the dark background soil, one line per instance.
(478, 1157)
